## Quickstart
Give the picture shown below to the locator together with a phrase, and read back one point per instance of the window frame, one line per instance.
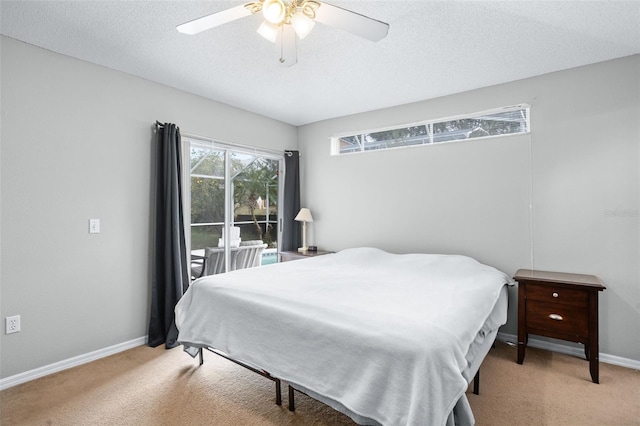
(189, 139)
(335, 149)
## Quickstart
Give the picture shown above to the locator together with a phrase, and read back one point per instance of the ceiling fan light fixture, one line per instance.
(302, 24)
(268, 31)
(274, 11)
(288, 20)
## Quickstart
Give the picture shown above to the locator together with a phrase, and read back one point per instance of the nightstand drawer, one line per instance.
(557, 294)
(557, 318)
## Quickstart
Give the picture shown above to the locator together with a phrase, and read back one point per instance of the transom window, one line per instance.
(498, 122)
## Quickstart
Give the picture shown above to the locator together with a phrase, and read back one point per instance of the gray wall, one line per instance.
(579, 169)
(77, 144)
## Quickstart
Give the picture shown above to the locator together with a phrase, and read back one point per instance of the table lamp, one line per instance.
(304, 216)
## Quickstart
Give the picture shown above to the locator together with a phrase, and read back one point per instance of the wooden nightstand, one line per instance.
(562, 306)
(286, 256)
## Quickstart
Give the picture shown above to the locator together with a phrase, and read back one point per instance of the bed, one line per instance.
(384, 338)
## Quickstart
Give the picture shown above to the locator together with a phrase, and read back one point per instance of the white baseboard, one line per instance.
(69, 363)
(569, 350)
(102, 353)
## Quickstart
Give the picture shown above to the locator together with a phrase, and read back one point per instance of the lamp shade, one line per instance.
(304, 215)
(274, 11)
(268, 31)
(302, 24)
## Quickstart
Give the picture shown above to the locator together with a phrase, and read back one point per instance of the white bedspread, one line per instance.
(384, 335)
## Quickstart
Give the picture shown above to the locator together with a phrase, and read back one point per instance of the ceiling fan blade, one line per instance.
(207, 22)
(352, 22)
(287, 46)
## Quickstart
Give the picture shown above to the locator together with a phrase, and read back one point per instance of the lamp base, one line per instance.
(302, 249)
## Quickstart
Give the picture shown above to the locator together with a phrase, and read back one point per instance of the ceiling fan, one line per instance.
(284, 19)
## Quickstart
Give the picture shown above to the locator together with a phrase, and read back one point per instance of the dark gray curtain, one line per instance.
(291, 232)
(170, 276)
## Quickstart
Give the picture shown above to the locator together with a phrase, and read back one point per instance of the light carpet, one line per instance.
(154, 386)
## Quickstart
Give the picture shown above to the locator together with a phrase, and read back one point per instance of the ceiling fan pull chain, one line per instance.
(281, 44)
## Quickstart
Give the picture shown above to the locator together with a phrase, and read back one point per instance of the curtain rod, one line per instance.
(233, 144)
(159, 124)
(287, 152)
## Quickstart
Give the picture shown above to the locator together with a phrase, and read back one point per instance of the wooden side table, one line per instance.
(286, 256)
(562, 306)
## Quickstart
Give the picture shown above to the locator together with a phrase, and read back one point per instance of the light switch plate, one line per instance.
(94, 226)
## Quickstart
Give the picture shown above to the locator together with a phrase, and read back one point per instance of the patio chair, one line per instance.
(249, 254)
(212, 264)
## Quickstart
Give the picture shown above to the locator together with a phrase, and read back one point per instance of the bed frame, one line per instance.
(263, 373)
(291, 389)
(292, 403)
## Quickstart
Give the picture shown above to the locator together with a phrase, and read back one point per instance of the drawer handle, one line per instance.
(555, 294)
(556, 317)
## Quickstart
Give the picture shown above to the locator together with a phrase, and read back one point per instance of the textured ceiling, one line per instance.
(434, 48)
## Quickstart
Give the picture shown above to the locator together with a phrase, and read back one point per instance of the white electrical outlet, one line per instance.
(94, 226)
(12, 324)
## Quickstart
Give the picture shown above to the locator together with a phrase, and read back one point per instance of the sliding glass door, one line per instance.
(233, 204)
